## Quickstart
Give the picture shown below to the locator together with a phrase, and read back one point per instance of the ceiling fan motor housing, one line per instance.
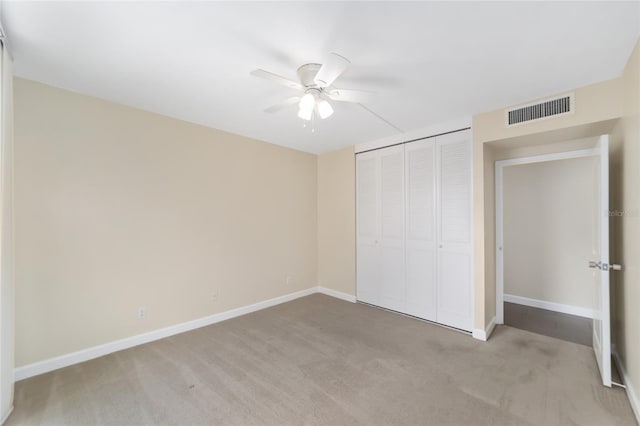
(307, 73)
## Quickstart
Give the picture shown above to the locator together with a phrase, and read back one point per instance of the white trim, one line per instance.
(87, 354)
(421, 133)
(603, 353)
(484, 335)
(82, 355)
(472, 239)
(337, 294)
(550, 306)
(499, 195)
(6, 416)
(588, 152)
(631, 393)
(499, 242)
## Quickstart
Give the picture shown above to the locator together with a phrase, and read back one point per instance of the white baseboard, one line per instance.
(550, 306)
(631, 393)
(55, 363)
(6, 416)
(484, 335)
(337, 294)
(66, 360)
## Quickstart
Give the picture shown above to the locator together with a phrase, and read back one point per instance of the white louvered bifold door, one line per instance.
(454, 254)
(380, 227)
(368, 227)
(414, 234)
(391, 242)
(420, 229)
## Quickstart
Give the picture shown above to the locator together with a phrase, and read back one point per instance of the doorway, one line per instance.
(550, 226)
(547, 222)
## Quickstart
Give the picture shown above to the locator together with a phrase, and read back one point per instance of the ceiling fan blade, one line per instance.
(382, 119)
(331, 70)
(346, 95)
(276, 78)
(282, 105)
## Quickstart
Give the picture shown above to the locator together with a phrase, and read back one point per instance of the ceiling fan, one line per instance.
(316, 83)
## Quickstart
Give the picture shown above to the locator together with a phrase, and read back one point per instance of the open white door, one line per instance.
(600, 264)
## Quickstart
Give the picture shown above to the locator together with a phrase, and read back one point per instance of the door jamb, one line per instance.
(499, 167)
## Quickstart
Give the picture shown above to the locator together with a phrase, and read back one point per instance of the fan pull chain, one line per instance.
(312, 122)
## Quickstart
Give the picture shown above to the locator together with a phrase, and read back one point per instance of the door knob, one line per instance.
(604, 266)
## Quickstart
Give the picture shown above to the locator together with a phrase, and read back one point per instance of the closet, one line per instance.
(414, 235)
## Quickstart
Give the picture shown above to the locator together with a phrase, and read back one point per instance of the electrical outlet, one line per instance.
(142, 313)
(289, 279)
(214, 295)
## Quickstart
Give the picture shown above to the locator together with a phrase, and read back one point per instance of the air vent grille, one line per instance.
(545, 109)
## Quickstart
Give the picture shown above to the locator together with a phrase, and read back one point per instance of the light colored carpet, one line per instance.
(319, 360)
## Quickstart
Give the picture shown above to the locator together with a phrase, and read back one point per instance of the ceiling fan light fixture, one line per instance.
(325, 110)
(305, 114)
(307, 104)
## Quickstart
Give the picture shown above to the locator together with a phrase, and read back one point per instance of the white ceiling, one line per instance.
(429, 62)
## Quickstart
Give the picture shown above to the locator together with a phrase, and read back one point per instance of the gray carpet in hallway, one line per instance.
(319, 360)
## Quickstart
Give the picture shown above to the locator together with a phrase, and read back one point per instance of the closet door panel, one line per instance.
(367, 227)
(454, 290)
(367, 197)
(392, 289)
(392, 294)
(392, 194)
(454, 152)
(454, 190)
(420, 229)
(368, 273)
(421, 283)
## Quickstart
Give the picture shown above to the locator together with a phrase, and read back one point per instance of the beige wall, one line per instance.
(607, 107)
(336, 221)
(594, 103)
(118, 208)
(597, 108)
(625, 229)
(548, 213)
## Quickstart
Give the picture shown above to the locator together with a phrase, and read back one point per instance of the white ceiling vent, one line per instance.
(547, 108)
